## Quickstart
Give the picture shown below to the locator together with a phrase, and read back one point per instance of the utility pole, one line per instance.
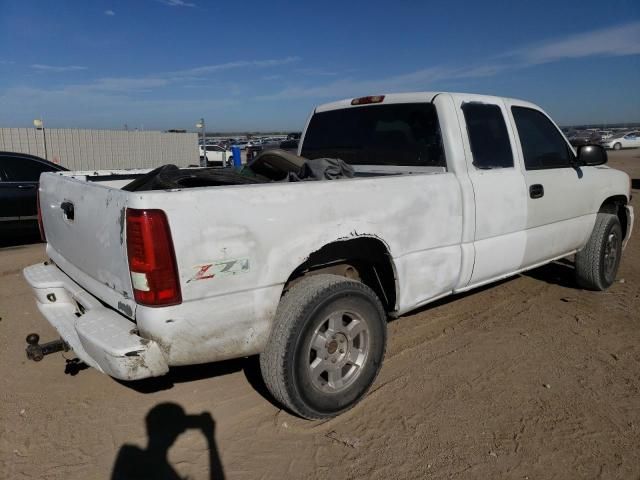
(203, 161)
(39, 124)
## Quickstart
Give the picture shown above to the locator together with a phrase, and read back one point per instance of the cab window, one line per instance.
(20, 169)
(542, 144)
(488, 136)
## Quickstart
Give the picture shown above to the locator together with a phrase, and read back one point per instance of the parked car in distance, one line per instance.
(19, 176)
(584, 137)
(627, 140)
(605, 134)
(216, 155)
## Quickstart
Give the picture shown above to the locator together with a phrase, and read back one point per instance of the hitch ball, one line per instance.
(36, 352)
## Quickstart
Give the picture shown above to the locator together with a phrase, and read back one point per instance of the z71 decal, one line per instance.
(220, 269)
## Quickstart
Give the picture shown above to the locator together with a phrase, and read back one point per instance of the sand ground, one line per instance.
(529, 378)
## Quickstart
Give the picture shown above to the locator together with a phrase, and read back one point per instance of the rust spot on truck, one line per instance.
(121, 222)
(126, 309)
(135, 362)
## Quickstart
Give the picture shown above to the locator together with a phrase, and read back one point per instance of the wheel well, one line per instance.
(364, 258)
(615, 205)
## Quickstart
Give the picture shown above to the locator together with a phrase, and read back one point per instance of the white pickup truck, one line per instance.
(450, 192)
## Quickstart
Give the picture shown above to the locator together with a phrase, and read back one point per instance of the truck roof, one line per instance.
(413, 97)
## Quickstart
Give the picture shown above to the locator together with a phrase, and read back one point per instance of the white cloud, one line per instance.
(615, 41)
(317, 72)
(84, 109)
(57, 68)
(149, 82)
(119, 84)
(418, 80)
(115, 93)
(206, 69)
(177, 3)
(109, 13)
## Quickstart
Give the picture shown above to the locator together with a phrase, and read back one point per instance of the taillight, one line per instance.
(367, 100)
(43, 237)
(152, 261)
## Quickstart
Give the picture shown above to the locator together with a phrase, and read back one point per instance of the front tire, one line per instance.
(617, 146)
(326, 346)
(597, 263)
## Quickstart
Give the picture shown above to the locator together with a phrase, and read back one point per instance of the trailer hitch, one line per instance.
(36, 352)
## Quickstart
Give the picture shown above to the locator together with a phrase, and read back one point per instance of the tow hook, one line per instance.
(36, 352)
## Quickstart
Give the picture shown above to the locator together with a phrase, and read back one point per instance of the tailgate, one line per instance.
(84, 223)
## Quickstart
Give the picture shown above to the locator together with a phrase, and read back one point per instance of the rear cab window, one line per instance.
(400, 134)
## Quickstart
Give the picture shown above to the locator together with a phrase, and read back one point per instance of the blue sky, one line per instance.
(161, 64)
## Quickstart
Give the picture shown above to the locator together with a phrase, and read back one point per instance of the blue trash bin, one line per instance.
(237, 156)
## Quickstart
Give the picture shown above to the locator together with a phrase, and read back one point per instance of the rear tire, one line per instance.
(326, 346)
(597, 263)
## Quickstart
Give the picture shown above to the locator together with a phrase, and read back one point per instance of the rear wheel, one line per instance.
(597, 263)
(326, 346)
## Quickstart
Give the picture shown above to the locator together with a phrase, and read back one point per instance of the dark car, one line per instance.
(289, 144)
(19, 176)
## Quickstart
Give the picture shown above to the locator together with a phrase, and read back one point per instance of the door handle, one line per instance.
(26, 187)
(536, 191)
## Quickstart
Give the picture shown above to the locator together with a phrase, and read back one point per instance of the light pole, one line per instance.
(203, 160)
(39, 124)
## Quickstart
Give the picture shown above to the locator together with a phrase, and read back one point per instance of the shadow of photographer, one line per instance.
(165, 423)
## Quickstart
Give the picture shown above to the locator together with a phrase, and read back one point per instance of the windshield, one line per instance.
(406, 134)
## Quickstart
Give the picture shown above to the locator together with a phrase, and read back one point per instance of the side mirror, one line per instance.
(592, 155)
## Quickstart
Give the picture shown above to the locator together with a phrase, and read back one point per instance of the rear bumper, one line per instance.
(99, 336)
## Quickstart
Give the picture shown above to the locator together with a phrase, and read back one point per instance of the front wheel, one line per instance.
(597, 263)
(326, 346)
(617, 146)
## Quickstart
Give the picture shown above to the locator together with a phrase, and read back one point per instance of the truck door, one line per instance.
(559, 219)
(498, 186)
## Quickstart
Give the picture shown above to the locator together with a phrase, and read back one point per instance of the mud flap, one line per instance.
(628, 210)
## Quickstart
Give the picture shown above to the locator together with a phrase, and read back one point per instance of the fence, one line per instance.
(102, 149)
